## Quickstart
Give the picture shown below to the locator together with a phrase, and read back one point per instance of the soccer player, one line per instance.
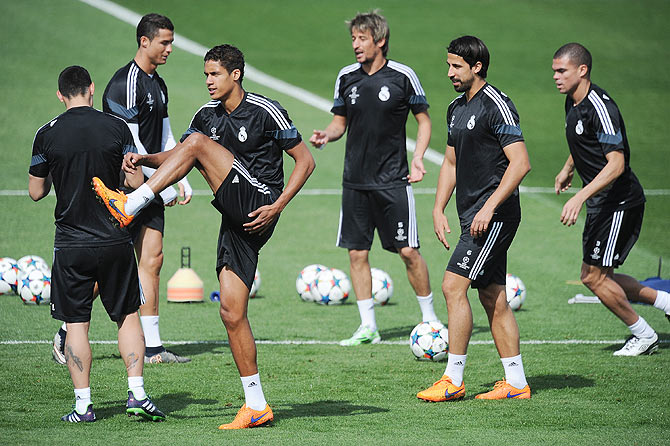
(485, 161)
(138, 95)
(372, 100)
(613, 195)
(236, 141)
(88, 247)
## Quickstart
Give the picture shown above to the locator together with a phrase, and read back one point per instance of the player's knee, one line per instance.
(451, 291)
(591, 277)
(358, 257)
(231, 318)
(409, 255)
(153, 264)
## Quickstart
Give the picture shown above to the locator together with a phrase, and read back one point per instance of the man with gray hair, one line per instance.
(373, 98)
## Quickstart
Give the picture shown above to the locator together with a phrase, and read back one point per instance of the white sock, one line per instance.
(82, 398)
(427, 310)
(253, 392)
(136, 385)
(64, 326)
(641, 329)
(662, 301)
(152, 336)
(138, 199)
(514, 374)
(455, 367)
(366, 308)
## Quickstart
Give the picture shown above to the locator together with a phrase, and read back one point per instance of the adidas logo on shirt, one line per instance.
(235, 180)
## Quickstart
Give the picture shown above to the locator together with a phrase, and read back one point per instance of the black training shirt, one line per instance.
(376, 108)
(594, 128)
(74, 147)
(479, 130)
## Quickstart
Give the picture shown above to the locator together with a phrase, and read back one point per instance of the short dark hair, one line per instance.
(577, 53)
(472, 50)
(230, 58)
(74, 81)
(374, 22)
(151, 24)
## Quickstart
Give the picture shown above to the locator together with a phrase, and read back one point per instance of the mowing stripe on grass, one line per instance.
(317, 342)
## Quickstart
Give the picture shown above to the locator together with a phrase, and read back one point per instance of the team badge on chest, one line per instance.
(579, 128)
(242, 135)
(471, 123)
(384, 94)
(354, 95)
(213, 136)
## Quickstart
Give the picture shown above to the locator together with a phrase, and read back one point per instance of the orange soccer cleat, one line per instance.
(114, 201)
(442, 390)
(247, 417)
(502, 391)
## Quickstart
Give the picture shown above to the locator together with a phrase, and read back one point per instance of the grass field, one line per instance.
(321, 393)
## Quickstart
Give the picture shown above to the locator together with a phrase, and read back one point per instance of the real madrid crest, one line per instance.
(384, 94)
(579, 128)
(471, 123)
(242, 135)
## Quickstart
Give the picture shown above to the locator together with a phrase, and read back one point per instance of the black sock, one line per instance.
(62, 333)
(150, 351)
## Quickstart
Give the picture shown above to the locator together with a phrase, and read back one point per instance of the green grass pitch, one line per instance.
(321, 393)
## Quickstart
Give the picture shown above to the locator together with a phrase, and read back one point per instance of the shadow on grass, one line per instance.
(548, 382)
(325, 408)
(169, 404)
(403, 332)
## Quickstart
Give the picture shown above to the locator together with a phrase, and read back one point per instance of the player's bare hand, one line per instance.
(264, 217)
(563, 181)
(131, 161)
(417, 170)
(441, 227)
(480, 224)
(171, 203)
(186, 199)
(318, 139)
(571, 211)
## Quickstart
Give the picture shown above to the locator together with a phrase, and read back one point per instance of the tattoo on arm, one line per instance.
(72, 358)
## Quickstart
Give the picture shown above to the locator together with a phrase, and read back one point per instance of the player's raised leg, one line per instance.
(233, 311)
(505, 333)
(211, 159)
(451, 386)
(636, 292)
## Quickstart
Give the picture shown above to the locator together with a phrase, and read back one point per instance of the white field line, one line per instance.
(317, 342)
(417, 191)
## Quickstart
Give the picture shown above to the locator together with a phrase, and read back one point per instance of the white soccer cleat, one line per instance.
(635, 346)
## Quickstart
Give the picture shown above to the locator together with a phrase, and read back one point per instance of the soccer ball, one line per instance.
(29, 263)
(516, 291)
(35, 287)
(9, 275)
(382, 286)
(255, 285)
(428, 341)
(330, 287)
(305, 279)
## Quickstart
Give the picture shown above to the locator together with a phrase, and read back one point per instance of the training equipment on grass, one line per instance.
(305, 279)
(382, 286)
(516, 291)
(31, 262)
(255, 285)
(330, 287)
(9, 275)
(185, 285)
(429, 340)
(34, 287)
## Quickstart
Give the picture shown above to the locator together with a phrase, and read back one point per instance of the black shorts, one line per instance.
(152, 216)
(609, 236)
(238, 195)
(75, 271)
(391, 211)
(483, 260)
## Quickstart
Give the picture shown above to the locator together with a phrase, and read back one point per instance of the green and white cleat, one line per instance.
(363, 335)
